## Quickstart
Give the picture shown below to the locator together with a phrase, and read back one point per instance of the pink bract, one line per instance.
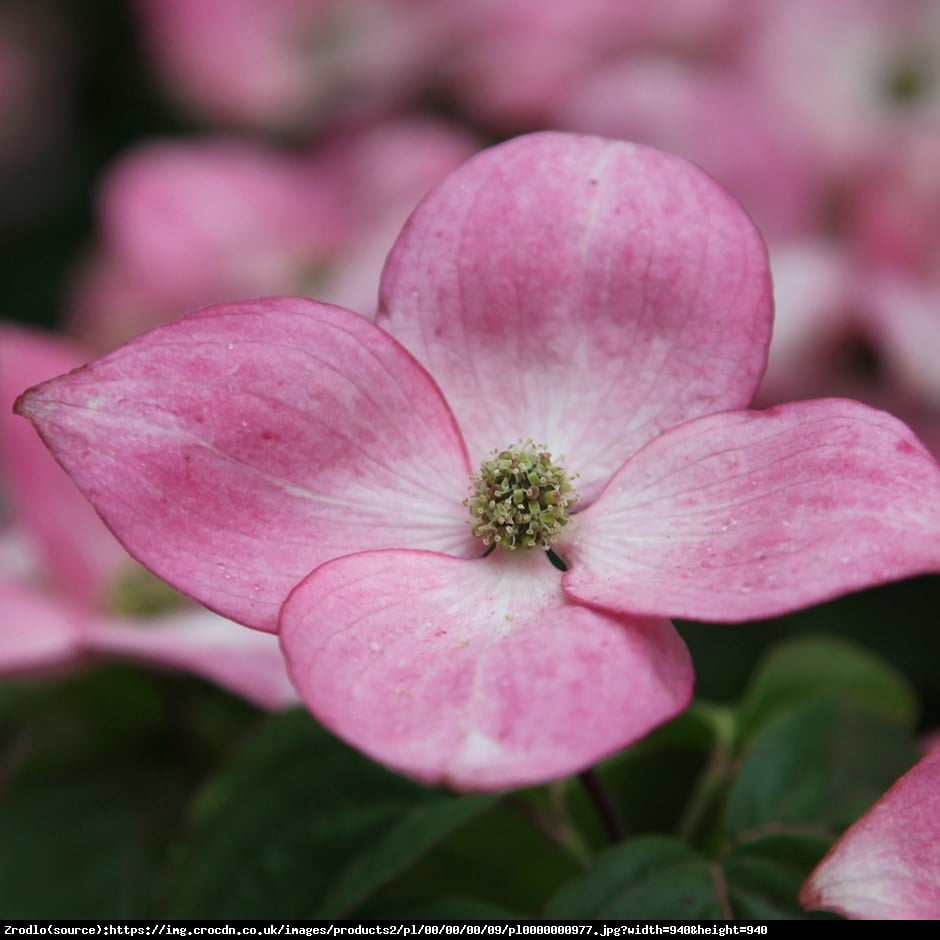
(709, 115)
(56, 585)
(287, 65)
(887, 865)
(297, 468)
(517, 58)
(851, 73)
(185, 224)
(198, 222)
(378, 172)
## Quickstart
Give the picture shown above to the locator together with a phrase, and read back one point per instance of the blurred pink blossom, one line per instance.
(858, 310)
(517, 58)
(895, 204)
(191, 222)
(289, 65)
(711, 115)
(187, 223)
(850, 74)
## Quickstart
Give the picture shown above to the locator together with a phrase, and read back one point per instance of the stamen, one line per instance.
(521, 498)
(139, 594)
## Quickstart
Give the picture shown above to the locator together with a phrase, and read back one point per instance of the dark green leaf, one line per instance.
(505, 858)
(84, 844)
(449, 908)
(297, 821)
(95, 776)
(764, 876)
(807, 668)
(822, 764)
(649, 878)
(417, 831)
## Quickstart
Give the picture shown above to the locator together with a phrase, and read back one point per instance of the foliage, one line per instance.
(139, 795)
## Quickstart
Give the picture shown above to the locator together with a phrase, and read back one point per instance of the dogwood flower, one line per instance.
(887, 865)
(290, 65)
(570, 332)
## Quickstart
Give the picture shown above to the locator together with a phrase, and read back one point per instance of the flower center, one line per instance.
(138, 593)
(520, 498)
(908, 83)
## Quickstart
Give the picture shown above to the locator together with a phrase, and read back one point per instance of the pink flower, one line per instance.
(189, 223)
(184, 224)
(517, 58)
(297, 468)
(887, 865)
(895, 204)
(709, 114)
(64, 579)
(286, 65)
(852, 73)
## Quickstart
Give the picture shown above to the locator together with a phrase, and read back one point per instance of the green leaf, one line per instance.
(398, 848)
(94, 778)
(118, 711)
(649, 878)
(448, 908)
(764, 876)
(822, 764)
(810, 667)
(298, 820)
(506, 858)
(657, 878)
(84, 844)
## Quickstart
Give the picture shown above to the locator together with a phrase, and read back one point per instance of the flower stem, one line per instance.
(554, 820)
(714, 777)
(603, 804)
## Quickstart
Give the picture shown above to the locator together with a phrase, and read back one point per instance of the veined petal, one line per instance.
(239, 447)
(750, 514)
(887, 865)
(246, 662)
(76, 549)
(583, 293)
(476, 674)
